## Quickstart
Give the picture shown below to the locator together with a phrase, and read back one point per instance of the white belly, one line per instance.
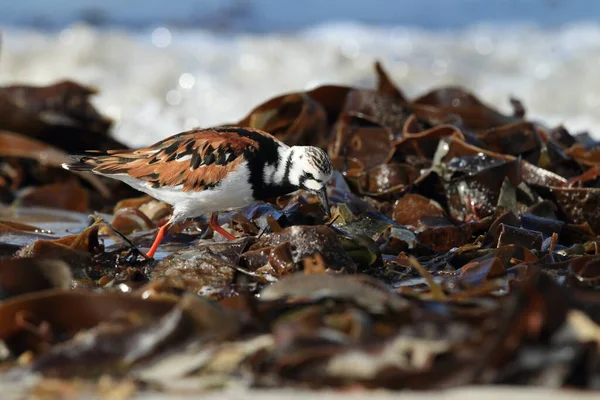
(233, 192)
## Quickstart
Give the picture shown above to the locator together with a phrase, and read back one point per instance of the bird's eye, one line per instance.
(310, 176)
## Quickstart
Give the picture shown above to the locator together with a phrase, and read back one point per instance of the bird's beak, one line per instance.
(322, 195)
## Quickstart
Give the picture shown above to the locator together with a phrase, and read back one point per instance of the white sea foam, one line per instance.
(158, 82)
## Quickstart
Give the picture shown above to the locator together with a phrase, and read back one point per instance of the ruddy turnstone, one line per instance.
(204, 171)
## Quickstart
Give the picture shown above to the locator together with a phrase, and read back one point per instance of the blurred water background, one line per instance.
(166, 66)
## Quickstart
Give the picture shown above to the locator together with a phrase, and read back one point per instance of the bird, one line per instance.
(208, 170)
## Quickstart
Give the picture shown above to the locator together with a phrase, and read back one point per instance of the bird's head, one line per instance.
(310, 169)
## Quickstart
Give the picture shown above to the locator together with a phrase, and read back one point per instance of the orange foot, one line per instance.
(214, 225)
(159, 238)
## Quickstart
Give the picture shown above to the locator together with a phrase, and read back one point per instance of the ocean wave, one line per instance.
(156, 82)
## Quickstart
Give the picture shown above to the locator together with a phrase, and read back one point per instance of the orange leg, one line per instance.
(159, 237)
(214, 225)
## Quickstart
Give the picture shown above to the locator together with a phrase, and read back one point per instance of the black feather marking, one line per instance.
(196, 160)
(109, 171)
(189, 148)
(80, 166)
(221, 157)
(301, 181)
(288, 167)
(153, 176)
(172, 157)
(153, 161)
(172, 148)
(209, 158)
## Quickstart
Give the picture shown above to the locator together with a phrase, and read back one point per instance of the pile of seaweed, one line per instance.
(463, 249)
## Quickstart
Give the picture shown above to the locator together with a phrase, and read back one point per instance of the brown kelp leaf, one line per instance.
(424, 144)
(511, 255)
(20, 146)
(281, 259)
(540, 177)
(457, 147)
(544, 209)
(156, 210)
(585, 271)
(295, 119)
(392, 364)
(135, 202)
(361, 248)
(476, 272)
(376, 226)
(561, 135)
(546, 226)
(308, 240)
(86, 240)
(589, 157)
(425, 116)
(411, 207)
(117, 344)
(12, 239)
(385, 106)
(440, 234)
(12, 177)
(159, 288)
(385, 110)
(50, 249)
(589, 178)
(361, 290)
(554, 159)
(17, 145)
(21, 227)
(385, 86)
(113, 346)
(59, 114)
(211, 321)
(360, 138)
(516, 139)
(314, 265)
(507, 234)
(474, 192)
(65, 101)
(76, 250)
(137, 214)
(412, 125)
(69, 195)
(258, 258)
(23, 275)
(384, 181)
(347, 166)
(129, 220)
(331, 98)
(579, 205)
(292, 356)
(473, 113)
(205, 269)
(573, 234)
(65, 313)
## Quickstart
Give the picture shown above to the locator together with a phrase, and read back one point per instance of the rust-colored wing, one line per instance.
(198, 159)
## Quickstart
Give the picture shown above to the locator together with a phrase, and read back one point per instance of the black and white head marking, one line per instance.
(296, 167)
(309, 168)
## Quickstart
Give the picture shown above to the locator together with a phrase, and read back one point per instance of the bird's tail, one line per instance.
(82, 162)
